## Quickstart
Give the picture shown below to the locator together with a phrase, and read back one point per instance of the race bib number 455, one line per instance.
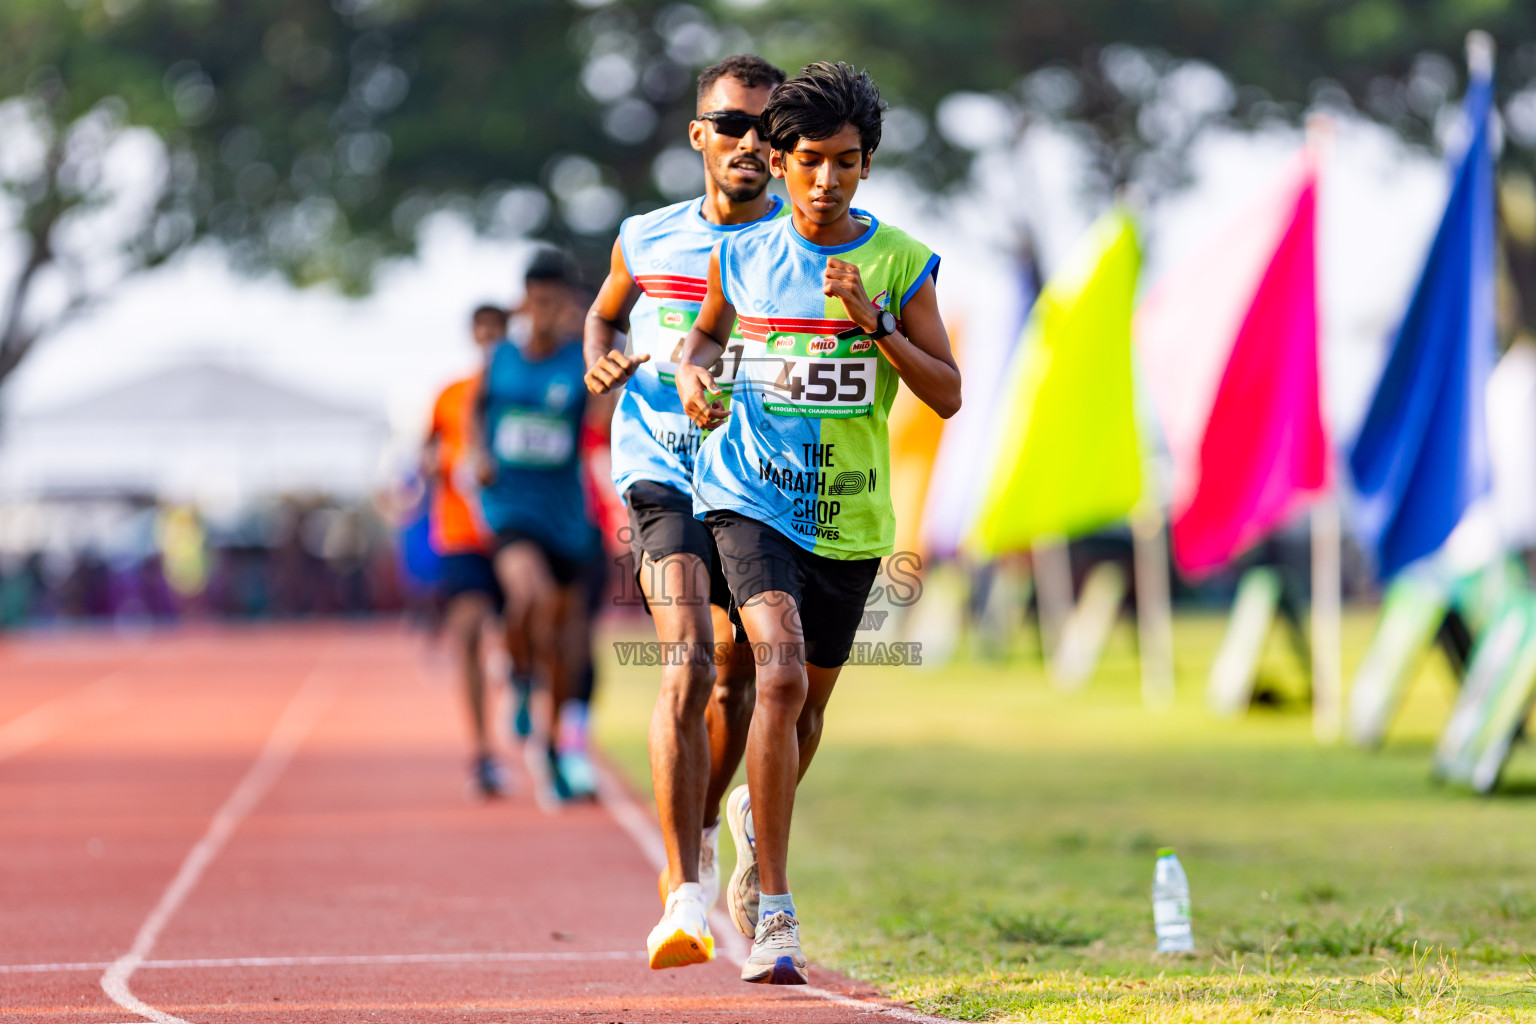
(822, 376)
(533, 440)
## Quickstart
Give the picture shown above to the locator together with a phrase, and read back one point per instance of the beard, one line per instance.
(737, 193)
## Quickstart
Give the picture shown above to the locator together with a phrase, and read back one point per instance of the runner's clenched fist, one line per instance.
(612, 369)
(842, 280)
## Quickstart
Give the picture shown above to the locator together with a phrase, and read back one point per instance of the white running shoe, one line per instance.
(709, 869)
(709, 866)
(744, 890)
(682, 936)
(776, 958)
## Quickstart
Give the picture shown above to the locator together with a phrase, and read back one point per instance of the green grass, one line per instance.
(981, 844)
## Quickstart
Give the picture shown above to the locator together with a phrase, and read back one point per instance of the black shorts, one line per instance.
(829, 592)
(565, 570)
(594, 583)
(661, 523)
(469, 573)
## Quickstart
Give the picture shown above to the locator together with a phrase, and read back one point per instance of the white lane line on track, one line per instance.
(343, 960)
(304, 709)
(729, 943)
(92, 701)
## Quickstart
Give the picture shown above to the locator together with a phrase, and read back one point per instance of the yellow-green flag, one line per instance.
(1068, 458)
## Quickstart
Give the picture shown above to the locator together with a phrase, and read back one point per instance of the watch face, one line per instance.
(887, 322)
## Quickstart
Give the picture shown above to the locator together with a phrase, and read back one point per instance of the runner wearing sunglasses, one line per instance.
(837, 310)
(733, 124)
(656, 279)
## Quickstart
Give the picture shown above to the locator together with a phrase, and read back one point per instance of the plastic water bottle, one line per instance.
(1170, 905)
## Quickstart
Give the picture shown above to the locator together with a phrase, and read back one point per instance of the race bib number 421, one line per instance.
(673, 331)
(815, 375)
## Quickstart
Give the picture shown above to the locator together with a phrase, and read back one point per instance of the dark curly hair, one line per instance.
(488, 314)
(816, 103)
(552, 265)
(747, 68)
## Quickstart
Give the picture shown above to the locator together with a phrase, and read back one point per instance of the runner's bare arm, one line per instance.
(600, 407)
(478, 450)
(608, 366)
(919, 349)
(704, 344)
(431, 458)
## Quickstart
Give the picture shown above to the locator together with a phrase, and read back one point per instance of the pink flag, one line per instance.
(1262, 449)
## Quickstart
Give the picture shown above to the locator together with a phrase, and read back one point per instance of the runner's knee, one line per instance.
(685, 689)
(781, 689)
(462, 624)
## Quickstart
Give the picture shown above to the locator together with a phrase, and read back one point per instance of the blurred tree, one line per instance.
(313, 137)
(305, 136)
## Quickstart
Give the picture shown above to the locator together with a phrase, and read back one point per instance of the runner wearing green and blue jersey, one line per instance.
(837, 310)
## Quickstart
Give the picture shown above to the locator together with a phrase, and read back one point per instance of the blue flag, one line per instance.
(1421, 457)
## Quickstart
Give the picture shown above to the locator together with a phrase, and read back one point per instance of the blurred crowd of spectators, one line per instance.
(128, 561)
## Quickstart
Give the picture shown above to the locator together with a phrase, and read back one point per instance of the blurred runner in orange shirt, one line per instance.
(472, 598)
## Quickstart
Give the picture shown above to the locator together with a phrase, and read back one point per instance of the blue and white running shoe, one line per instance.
(744, 890)
(776, 958)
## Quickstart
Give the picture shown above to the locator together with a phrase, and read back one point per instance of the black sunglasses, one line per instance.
(732, 123)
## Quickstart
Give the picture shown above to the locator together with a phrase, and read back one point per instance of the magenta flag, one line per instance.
(1263, 450)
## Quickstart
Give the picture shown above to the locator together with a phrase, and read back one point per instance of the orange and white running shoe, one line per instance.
(682, 935)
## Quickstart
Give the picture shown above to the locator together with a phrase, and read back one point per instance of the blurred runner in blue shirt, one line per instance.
(530, 411)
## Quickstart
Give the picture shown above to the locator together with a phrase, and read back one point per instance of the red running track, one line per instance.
(271, 825)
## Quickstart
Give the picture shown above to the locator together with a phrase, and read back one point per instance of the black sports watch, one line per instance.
(885, 324)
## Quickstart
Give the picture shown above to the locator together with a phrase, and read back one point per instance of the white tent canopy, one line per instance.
(195, 432)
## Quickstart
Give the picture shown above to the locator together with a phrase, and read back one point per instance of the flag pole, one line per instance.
(1327, 615)
(1327, 575)
(1154, 608)
(1479, 54)
(1052, 568)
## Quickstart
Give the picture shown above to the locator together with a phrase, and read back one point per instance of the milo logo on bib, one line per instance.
(674, 327)
(820, 375)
